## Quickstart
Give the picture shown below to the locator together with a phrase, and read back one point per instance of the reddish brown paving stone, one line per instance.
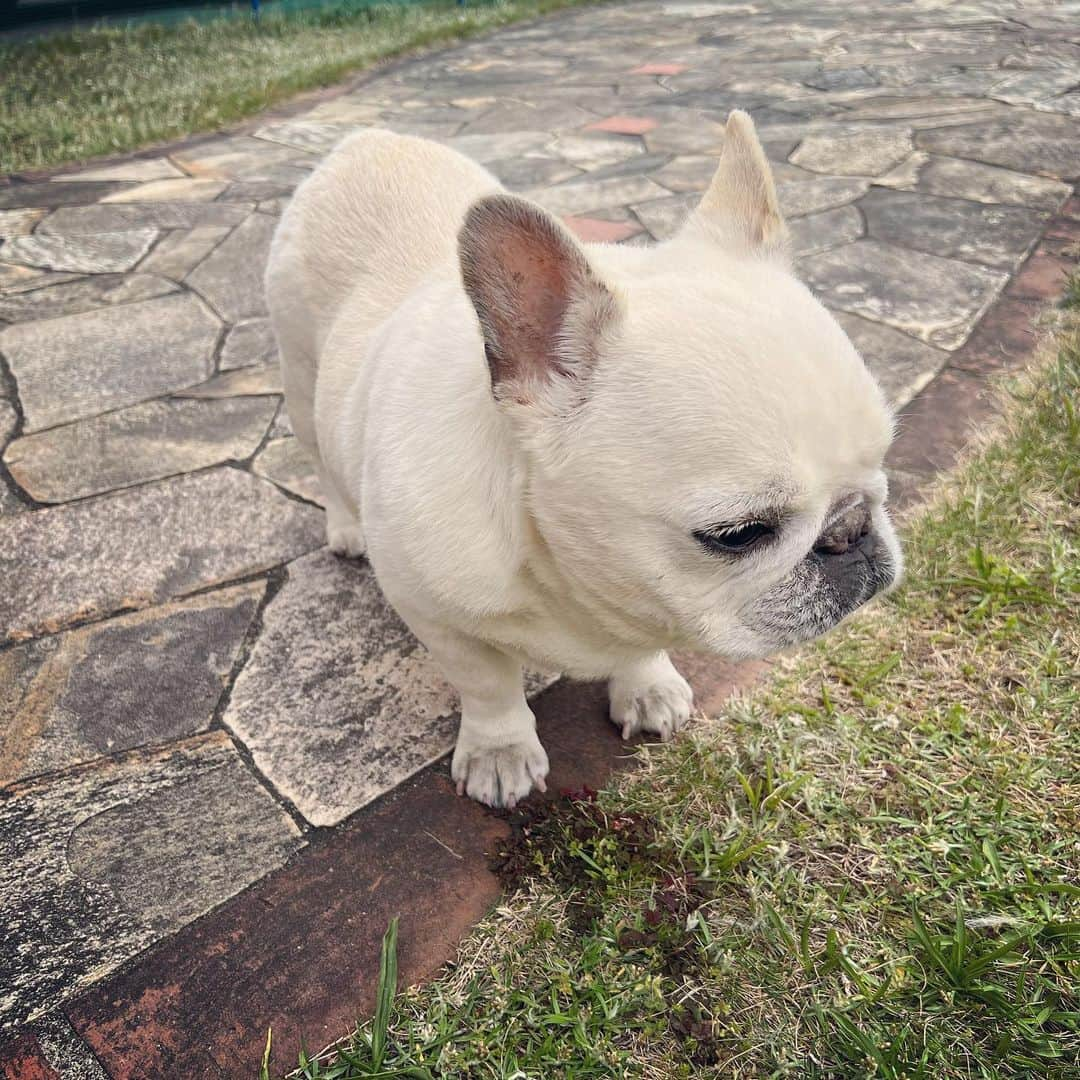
(659, 69)
(1042, 277)
(624, 125)
(1003, 341)
(595, 231)
(21, 1059)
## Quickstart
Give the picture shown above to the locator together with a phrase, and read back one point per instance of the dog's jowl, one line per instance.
(575, 456)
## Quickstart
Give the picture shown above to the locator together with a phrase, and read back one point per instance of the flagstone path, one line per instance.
(194, 694)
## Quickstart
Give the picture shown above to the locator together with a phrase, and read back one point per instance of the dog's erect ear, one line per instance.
(542, 309)
(740, 208)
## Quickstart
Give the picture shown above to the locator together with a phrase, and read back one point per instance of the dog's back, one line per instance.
(369, 224)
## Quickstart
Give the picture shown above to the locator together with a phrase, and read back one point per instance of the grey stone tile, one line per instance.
(97, 864)
(962, 179)
(49, 194)
(9, 421)
(144, 545)
(664, 217)
(338, 702)
(231, 157)
(81, 365)
(510, 144)
(1030, 87)
(310, 136)
(282, 425)
(863, 153)
(243, 382)
(139, 680)
(249, 342)
(19, 279)
(138, 170)
(900, 363)
(284, 462)
(582, 196)
(531, 172)
(696, 136)
(801, 197)
(231, 277)
(934, 299)
(121, 217)
(686, 174)
(100, 253)
(1042, 143)
(829, 229)
(137, 444)
(182, 190)
(177, 253)
(83, 294)
(998, 236)
(19, 222)
(65, 1050)
(593, 150)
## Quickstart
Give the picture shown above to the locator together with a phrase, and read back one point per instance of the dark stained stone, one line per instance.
(83, 294)
(231, 277)
(22, 1057)
(992, 235)
(44, 193)
(937, 300)
(137, 444)
(138, 680)
(99, 862)
(144, 545)
(338, 702)
(1027, 142)
(118, 217)
(80, 365)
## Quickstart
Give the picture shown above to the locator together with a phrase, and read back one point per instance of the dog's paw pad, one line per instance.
(661, 708)
(500, 776)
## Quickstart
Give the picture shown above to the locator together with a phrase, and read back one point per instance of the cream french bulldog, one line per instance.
(575, 456)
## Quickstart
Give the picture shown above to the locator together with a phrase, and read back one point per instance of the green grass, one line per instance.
(870, 867)
(71, 96)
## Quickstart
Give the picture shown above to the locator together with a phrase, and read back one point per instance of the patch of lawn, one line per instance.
(71, 96)
(869, 867)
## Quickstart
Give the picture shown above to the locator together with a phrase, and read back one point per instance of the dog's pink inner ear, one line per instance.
(532, 288)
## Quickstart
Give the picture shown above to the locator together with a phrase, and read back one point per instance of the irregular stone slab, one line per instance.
(81, 365)
(829, 229)
(998, 236)
(801, 197)
(664, 217)
(19, 222)
(699, 136)
(120, 217)
(231, 278)
(284, 462)
(9, 421)
(101, 253)
(596, 150)
(137, 170)
(65, 1050)
(230, 157)
(485, 148)
(1029, 87)
(180, 190)
(176, 254)
(250, 342)
(135, 445)
(902, 365)
(239, 383)
(48, 193)
(530, 172)
(121, 854)
(852, 78)
(19, 279)
(338, 702)
(83, 294)
(973, 180)
(282, 425)
(139, 680)
(306, 135)
(144, 545)
(1027, 142)
(582, 196)
(937, 300)
(685, 174)
(864, 153)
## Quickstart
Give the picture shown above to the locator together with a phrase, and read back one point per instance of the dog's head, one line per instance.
(702, 444)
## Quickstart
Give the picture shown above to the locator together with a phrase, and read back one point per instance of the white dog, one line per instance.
(575, 456)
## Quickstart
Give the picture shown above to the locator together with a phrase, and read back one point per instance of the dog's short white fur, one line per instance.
(574, 456)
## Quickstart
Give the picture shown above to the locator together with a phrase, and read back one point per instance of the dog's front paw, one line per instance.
(657, 700)
(345, 538)
(500, 775)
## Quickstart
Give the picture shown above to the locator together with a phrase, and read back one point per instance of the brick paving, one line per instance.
(202, 712)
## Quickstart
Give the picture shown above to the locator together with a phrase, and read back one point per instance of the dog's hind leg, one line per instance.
(344, 531)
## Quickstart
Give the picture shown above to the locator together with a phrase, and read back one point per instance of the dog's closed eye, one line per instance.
(735, 539)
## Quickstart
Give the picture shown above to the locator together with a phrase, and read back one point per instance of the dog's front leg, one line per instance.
(650, 695)
(498, 758)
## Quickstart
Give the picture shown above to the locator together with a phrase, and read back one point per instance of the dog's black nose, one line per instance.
(845, 531)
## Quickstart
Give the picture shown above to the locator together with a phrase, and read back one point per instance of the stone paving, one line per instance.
(191, 687)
